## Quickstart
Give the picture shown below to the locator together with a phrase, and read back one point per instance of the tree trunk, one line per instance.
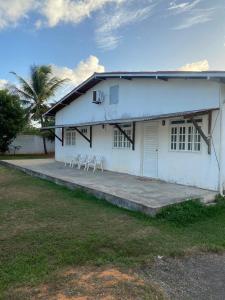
(44, 144)
(44, 138)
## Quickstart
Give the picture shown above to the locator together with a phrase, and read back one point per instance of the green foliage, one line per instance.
(30, 130)
(48, 134)
(192, 211)
(12, 118)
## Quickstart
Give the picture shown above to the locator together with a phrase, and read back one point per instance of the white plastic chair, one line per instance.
(96, 163)
(90, 162)
(75, 160)
(68, 162)
(82, 161)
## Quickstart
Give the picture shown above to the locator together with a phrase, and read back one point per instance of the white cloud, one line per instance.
(82, 71)
(182, 7)
(12, 11)
(3, 83)
(202, 65)
(107, 34)
(199, 16)
(51, 12)
(69, 11)
(191, 13)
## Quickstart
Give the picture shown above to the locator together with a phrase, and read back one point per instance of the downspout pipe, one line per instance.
(221, 160)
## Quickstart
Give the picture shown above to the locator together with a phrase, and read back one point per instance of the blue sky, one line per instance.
(81, 37)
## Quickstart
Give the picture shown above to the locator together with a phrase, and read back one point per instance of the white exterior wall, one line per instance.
(222, 146)
(120, 160)
(190, 168)
(32, 144)
(142, 97)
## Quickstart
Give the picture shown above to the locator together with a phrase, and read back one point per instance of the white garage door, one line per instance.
(150, 150)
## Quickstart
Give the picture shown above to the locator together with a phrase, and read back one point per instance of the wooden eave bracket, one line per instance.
(207, 139)
(56, 136)
(89, 140)
(131, 140)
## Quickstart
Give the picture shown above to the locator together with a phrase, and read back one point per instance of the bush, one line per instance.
(191, 211)
(12, 118)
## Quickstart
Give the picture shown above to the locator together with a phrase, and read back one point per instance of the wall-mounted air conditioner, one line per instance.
(98, 97)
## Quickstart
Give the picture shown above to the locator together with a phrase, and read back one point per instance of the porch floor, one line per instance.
(132, 192)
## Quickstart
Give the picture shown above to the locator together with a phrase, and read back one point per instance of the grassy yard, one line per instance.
(54, 241)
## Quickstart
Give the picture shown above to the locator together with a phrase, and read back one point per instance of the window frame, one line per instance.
(117, 100)
(124, 143)
(70, 135)
(195, 134)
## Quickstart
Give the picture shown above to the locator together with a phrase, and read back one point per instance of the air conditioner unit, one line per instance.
(98, 97)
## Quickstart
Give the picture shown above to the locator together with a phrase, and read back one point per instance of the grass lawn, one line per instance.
(54, 241)
(25, 156)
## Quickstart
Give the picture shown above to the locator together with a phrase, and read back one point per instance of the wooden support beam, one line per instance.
(209, 122)
(132, 141)
(209, 131)
(133, 135)
(201, 113)
(62, 137)
(84, 136)
(56, 136)
(205, 138)
(126, 77)
(162, 78)
(90, 136)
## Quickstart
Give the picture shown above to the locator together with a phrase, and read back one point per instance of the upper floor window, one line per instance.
(119, 139)
(70, 137)
(184, 136)
(114, 94)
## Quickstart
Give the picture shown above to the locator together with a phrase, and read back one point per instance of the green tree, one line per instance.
(12, 118)
(36, 92)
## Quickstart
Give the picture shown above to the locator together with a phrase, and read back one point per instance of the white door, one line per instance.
(150, 150)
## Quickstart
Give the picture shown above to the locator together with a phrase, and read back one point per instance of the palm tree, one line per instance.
(36, 92)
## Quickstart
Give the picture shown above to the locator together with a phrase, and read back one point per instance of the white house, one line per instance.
(164, 125)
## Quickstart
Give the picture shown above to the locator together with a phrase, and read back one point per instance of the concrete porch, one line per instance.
(132, 192)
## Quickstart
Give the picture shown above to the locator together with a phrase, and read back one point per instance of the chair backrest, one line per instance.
(100, 159)
(84, 157)
(92, 158)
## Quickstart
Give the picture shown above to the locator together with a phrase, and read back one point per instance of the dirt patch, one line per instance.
(92, 284)
(199, 277)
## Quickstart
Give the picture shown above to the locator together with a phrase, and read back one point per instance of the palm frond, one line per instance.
(41, 86)
(22, 94)
(54, 84)
(25, 87)
(39, 78)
